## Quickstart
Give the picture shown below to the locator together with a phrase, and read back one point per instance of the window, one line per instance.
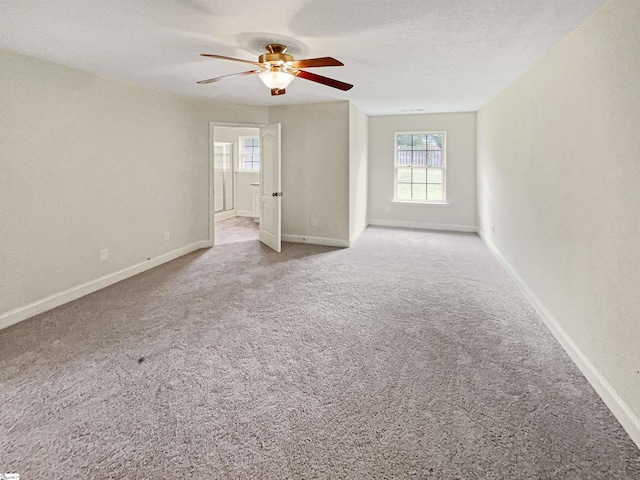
(250, 154)
(420, 167)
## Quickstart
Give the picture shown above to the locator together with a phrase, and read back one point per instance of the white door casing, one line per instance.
(270, 187)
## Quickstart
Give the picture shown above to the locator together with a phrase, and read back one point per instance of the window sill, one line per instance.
(415, 202)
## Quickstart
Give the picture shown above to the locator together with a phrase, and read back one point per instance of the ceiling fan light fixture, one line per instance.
(276, 79)
(277, 69)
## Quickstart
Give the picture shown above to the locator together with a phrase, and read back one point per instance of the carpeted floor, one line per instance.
(236, 229)
(410, 355)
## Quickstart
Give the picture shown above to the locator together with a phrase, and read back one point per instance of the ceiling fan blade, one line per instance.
(222, 57)
(330, 82)
(316, 62)
(224, 77)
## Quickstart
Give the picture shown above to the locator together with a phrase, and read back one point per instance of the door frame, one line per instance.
(212, 127)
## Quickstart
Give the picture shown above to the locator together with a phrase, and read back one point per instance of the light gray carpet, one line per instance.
(410, 355)
(236, 229)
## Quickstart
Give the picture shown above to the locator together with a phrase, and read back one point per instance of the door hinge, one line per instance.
(276, 194)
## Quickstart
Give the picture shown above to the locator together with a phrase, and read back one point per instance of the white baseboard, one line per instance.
(224, 215)
(424, 226)
(357, 234)
(40, 306)
(616, 404)
(244, 213)
(329, 242)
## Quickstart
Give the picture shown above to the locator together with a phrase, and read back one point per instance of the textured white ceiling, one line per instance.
(429, 55)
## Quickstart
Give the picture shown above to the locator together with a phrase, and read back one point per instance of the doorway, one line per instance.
(235, 186)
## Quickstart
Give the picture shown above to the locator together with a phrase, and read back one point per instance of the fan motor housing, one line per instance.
(276, 54)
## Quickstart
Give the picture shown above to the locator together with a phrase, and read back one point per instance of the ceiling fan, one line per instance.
(277, 69)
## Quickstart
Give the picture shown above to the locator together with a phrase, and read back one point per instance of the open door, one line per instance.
(270, 185)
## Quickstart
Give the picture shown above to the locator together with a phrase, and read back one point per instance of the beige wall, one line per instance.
(558, 177)
(358, 171)
(460, 213)
(89, 163)
(315, 171)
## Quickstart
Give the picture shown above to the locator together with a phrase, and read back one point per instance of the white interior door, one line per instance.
(270, 187)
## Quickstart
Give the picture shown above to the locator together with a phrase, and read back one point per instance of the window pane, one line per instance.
(419, 191)
(250, 161)
(419, 142)
(435, 192)
(404, 175)
(419, 158)
(404, 157)
(404, 191)
(435, 140)
(404, 142)
(419, 175)
(250, 146)
(434, 158)
(435, 175)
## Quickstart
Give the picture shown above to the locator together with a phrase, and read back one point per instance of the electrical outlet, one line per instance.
(104, 255)
(167, 235)
(314, 222)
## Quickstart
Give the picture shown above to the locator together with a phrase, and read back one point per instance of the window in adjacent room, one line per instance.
(420, 167)
(249, 154)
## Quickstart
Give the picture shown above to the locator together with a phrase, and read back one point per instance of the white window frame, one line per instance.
(241, 153)
(444, 167)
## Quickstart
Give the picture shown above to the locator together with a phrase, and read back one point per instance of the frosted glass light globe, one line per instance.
(276, 79)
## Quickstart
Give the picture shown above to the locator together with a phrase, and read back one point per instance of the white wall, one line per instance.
(358, 172)
(559, 176)
(315, 171)
(89, 163)
(460, 213)
(244, 192)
